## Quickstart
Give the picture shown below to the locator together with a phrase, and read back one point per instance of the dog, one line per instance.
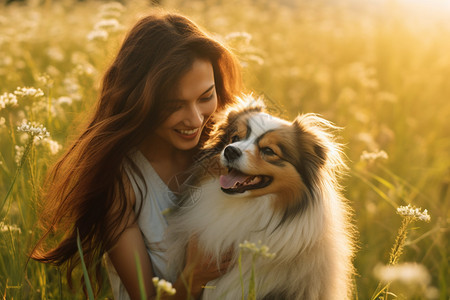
(262, 178)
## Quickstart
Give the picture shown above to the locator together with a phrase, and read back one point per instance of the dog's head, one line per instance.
(263, 155)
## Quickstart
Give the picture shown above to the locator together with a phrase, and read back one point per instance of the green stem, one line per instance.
(140, 276)
(49, 106)
(87, 281)
(11, 129)
(241, 276)
(374, 297)
(394, 256)
(252, 284)
(386, 292)
(19, 168)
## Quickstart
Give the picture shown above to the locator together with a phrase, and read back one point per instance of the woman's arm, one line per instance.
(129, 244)
(201, 268)
(122, 256)
(198, 271)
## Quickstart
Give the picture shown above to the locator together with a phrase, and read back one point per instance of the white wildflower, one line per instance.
(37, 131)
(109, 25)
(108, 14)
(19, 153)
(414, 212)
(9, 228)
(64, 100)
(255, 59)
(52, 71)
(23, 138)
(8, 100)
(73, 88)
(368, 140)
(29, 92)
(425, 216)
(249, 246)
(163, 285)
(373, 156)
(111, 10)
(53, 146)
(241, 36)
(55, 53)
(97, 35)
(5, 60)
(259, 249)
(408, 273)
(85, 69)
(45, 79)
(112, 6)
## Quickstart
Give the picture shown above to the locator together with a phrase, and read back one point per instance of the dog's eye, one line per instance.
(235, 138)
(267, 151)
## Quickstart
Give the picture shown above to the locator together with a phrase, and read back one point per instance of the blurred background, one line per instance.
(380, 70)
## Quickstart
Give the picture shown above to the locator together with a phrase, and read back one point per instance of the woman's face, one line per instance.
(195, 100)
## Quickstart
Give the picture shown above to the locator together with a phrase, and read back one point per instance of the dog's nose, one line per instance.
(231, 153)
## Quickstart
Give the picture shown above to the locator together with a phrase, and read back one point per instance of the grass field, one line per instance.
(380, 70)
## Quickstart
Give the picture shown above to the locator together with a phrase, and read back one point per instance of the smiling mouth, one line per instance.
(236, 182)
(187, 131)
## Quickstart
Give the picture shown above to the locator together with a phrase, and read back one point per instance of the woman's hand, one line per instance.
(201, 268)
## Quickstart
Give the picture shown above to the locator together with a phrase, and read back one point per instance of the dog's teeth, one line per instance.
(249, 179)
(255, 179)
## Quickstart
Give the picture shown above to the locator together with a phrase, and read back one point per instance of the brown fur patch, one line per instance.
(241, 126)
(287, 183)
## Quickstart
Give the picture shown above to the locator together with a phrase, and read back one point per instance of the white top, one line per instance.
(157, 199)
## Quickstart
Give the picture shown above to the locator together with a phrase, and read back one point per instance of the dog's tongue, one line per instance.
(228, 181)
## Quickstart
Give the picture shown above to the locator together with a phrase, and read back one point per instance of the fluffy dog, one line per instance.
(264, 179)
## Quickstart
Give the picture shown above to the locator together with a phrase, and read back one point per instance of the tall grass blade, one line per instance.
(376, 294)
(241, 276)
(19, 168)
(85, 272)
(137, 261)
(376, 189)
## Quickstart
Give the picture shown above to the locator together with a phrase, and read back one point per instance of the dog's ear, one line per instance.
(245, 104)
(311, 150)
(308, 133)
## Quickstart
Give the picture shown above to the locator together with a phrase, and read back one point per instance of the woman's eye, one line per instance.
(235, 138)
(175, 105)
(207, 98)
(267, 151)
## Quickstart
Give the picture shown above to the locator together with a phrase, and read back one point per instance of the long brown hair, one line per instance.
(81, 187)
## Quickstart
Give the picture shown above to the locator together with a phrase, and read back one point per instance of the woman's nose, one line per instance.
(195, 117)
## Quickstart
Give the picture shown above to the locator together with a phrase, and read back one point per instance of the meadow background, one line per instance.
(378, 69)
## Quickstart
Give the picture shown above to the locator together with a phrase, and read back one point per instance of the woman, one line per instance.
(111, 187)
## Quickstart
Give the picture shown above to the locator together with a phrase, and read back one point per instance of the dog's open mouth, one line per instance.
(237, 182)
